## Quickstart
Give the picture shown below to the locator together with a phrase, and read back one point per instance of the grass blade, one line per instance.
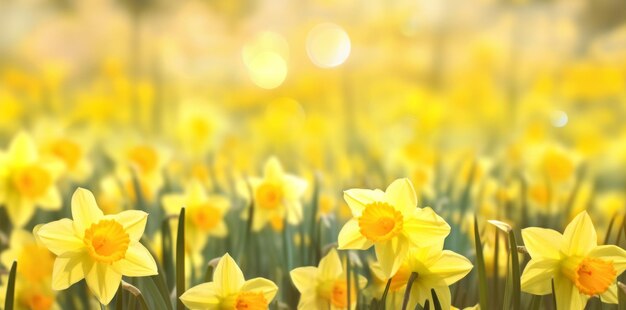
(180, 260)
(436, 303)
(10, 295)
(166, 246)
(515, 273)
(383, 299)
(480, 266)
(407, 291)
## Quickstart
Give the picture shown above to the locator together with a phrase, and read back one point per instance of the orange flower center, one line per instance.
(251, 301)
(38, 301)
(269, 196)
(144, 157)
(32, 181)
(380, 222)
(68, 151)
(558, 166)
(205, 216)
(592, 276)
(106, 241)
(400, 279)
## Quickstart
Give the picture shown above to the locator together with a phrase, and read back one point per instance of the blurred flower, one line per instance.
(390, 221)
(325, 286)
(276, 196)
(27, 181)
(100, 248)
(204, 215)
(578, 266)
(230, 290)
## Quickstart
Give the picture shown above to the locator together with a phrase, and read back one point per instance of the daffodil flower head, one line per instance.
(579, 267)
(99, 248)
(325, 286)
(276, 196)
(391, 222)
(435, 269)
(27, 181)
(230, 290)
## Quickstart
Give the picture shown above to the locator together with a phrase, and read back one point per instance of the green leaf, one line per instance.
(515, 271)
(208, 275)
(407, 291)
(436, 303)
(480, 266)
(621, 296)
(10, 295)
(383, 299)
(166, 246)
(535, 302)
(180, 260)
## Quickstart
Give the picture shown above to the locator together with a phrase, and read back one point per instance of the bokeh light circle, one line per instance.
(328, 45)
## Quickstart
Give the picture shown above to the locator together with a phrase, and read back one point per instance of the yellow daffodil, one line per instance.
(579, 267)
(391, 222)
(72, 154)
(100, 248)
(204, 213)
(230, 290)
(436, 269)
(34, 274)
(325, 286)
(26, 181)
(276, 196)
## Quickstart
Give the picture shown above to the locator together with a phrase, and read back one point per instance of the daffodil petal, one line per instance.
(444, 297)
(20, 211)
(261, 285)
(610, 296)
(350, 237)
(425, 228)
(103, 281)
(391, 254)
(134, 223)
(401, 195)
(567, 295)
(172, 203)
(451, 267)
(330, 266)
(59, 237)
(22, 149)
(302, 277)
(537, 276)
(67, 271)
(358, 198)
(273, 171)
(611, 253)
(202, 296)
(85, 210)
(138, 262)
(542, 242)
(580, 236)
(228, 275)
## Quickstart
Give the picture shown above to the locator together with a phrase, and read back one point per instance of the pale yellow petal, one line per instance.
(20, 211)
(451, 267)
(542, 242)
(425, 228)
(221, 230)
(273, 171)
(85, 210)
(567, 295)
(357, 199)
(444, 296)
(610, 296)
(391, 254)
(261, 285)
(60, 238)
(401, 195)
(350, 237)
(22, 149)
(330, 266)
(51, 200)
(67, 271)
(202, 296)
(580, 236)
(304, 278)
(611, 253)
(537, 276)
(138, 262)
(172, 203)
(294, 186)
(133, 221)
(103, 281)
(228, 276)
(294, 212)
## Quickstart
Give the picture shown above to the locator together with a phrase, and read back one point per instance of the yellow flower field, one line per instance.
(312, 154)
